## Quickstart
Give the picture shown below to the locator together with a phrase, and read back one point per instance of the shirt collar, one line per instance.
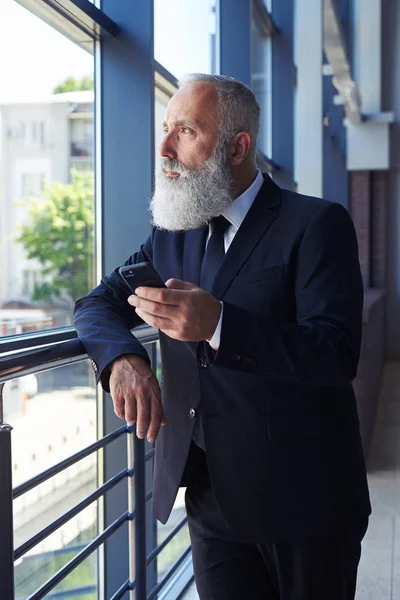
(236, 212)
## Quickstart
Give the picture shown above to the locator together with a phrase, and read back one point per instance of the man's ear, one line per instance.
(240, 147)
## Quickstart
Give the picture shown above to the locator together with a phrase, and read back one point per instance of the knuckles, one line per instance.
(162, 296)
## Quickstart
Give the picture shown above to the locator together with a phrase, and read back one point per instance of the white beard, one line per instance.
(195, 197)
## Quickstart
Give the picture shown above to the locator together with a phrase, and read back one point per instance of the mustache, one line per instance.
(171, 164)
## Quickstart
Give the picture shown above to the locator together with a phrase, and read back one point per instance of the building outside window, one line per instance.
(81, 132)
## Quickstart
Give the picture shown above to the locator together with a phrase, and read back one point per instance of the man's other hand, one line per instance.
(182, 311)
(136, 395)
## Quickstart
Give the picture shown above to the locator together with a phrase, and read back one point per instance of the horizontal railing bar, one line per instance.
(68, 462)
(77, 560)
(149, 455)
(35, 360)
(154, 553)
(154, 593)
(123, 589)
(52, 527)
(146, 334)
(36, 338)
(15, 363)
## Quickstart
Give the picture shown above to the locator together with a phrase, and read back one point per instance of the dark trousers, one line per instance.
(315, 568)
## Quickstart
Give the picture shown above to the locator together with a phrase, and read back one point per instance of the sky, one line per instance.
(34, 58)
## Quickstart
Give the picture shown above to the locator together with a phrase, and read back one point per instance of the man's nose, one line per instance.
(167, 149)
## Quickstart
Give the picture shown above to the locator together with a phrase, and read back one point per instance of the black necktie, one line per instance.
(215, 252)
(213, 257)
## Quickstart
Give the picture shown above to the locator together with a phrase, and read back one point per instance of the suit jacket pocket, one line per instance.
(258, 275)
(294, 425)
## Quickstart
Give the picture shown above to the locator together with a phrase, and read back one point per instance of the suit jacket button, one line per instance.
(203, 362)
(192, 413)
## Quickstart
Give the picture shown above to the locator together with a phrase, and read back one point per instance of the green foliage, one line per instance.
(74, 85)
(59, 232)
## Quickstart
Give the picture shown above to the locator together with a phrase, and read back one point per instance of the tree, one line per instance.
(74, 85)
(59, 232)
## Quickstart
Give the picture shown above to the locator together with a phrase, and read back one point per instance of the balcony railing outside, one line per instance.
(45, 352)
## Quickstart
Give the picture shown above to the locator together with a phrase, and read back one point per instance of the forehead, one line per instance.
(195, 101)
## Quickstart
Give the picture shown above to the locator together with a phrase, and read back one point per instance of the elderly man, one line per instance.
(260, 328)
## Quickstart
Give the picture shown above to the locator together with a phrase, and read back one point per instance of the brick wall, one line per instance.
(368, 206)
(360, 203)
(379, 229)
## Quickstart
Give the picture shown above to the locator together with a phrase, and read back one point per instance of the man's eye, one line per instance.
(186, 130)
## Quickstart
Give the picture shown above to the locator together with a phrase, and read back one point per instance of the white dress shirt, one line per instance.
(235, 214)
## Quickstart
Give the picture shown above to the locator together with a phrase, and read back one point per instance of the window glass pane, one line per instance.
(46, 173)
(184, 35)
(179, 542)
(53, 415)
(261, 83)
(161, 99)
(38, 567)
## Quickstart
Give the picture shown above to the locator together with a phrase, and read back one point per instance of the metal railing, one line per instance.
(23, 355)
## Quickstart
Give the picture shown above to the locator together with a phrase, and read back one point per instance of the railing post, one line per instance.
(131, 510)
(140, 518)
(6, 510)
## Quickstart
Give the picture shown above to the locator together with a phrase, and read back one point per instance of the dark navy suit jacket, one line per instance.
(279, 412)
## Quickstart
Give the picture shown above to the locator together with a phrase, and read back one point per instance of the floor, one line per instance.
(379, 572)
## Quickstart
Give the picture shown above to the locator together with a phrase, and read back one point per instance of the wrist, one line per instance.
(132, 360)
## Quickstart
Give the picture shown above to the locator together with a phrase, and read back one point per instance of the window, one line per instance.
(184, 36)
(46, 262)
(32, 184)
(44, 128)
(16, 131)
(38, 132)
(162, 96)
(81, 131)
(261, 47)
(31, 277)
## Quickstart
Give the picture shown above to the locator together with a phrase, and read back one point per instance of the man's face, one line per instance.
(191, 126)
(194, 182)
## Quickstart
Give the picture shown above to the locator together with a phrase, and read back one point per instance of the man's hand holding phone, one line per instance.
(136, 395)
(181, 310)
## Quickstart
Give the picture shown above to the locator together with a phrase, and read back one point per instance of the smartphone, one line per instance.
(141, 274)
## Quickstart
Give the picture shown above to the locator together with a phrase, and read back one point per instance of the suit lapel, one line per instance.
(193, 252)
(261, 215)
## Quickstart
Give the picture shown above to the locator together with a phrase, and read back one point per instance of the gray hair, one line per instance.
(238, 107)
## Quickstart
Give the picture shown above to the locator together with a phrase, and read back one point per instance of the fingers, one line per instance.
(119, 407)
(143, 416)
(157, 418)
(144, 410)
(156, 322)
(160, 295)
(177, 284)
(157, 309)
(171, 295)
